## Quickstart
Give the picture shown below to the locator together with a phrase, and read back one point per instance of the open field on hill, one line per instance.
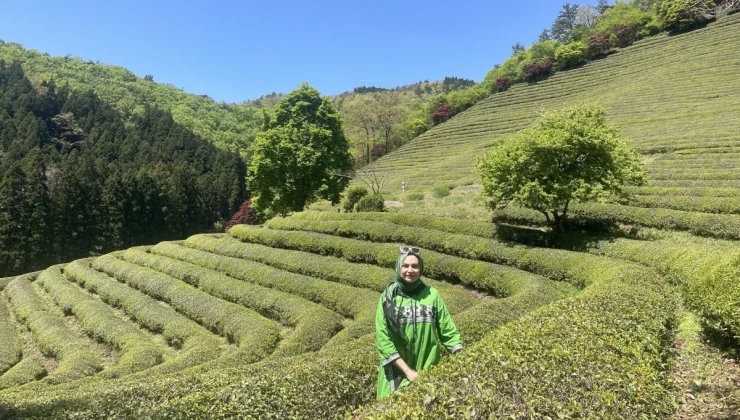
(637, 319)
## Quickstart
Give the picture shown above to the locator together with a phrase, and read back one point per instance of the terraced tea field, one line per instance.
(277, 321)
(675, 98)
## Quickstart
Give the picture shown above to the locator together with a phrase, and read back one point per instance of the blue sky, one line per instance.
(238, 50)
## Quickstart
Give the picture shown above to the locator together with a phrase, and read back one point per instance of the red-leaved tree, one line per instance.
(599, 44)
(625, 35)
(244, 216)
(443, 113)
(537, 71)
(502, 84)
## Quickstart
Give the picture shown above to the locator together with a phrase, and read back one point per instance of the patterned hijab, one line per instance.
(400, 288)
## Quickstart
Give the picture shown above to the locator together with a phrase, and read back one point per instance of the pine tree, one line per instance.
(564, 24)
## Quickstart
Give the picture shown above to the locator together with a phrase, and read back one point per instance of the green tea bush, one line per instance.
(498, 280)
(313, 325)
(370, 203)
(352, 197)
(332, 269)
(208, 252)
(29, 369)
(10, 351)
(255, 335)
(708, 276)
(196, 344)
(578, 268)
(441, 191)
(137, 351)
(584, 357)
(719, 205)
(76, 358)
(414, 196)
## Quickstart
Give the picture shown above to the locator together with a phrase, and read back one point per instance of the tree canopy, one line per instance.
(300, 154)
(569, 154)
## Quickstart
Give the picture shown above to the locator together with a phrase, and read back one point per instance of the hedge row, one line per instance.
(709, 276)
(196, 344)
(445, 224)
(725, 226)
(599, 355)
(328, 384)
(359, 304)
(137, 350)
(578, 268)
(329, 268)
(721, 205)
(313, 325)
(10, 350)
(4, 282)
(255, 335)
(494, 279)
(76, 358)
(29, 369)
(685, 191)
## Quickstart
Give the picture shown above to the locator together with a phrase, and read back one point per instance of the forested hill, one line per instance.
(77, 179)
(228, 126)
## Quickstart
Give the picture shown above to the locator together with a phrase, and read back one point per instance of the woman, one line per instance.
(411, 322)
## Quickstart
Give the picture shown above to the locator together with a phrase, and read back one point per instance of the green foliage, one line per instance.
(576, 153)
(570, 55)
(137, 351)
(297, 158)
(228, 126)
(414, 196)
(373, 202)
(53, 337)
(441, 191)
(680, 15)
(313, 325)
(351, 197)
(624, 14)
(10, 351)
(29, 369)
(255, 335)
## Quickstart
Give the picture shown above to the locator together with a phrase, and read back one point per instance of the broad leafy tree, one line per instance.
(570, 154)
(299, 155)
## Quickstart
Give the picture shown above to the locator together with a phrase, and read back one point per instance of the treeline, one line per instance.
(228, 126)
(79, 179)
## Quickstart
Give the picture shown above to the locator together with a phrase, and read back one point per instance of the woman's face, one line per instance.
(410, 269)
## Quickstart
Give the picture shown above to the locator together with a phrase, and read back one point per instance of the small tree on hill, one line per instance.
(537, 71)
(244, 216)
(443, 113)
(567, 155)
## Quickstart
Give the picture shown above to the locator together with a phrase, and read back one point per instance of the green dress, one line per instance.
(425, 322)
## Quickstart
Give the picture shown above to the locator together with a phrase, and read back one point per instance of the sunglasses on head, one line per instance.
(412, 250)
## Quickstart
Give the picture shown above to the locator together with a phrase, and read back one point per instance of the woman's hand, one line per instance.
(411, 375)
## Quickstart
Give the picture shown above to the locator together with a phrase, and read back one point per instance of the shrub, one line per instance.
(371, 203)
(537, 71)
(599, 44)
(53, 337)
(29, 369)
(624, 35)
(570, 55)
(441, 191)
(196, 343)
(414, 196)
(255, 335)
(10, 351)
(441, 114)
(503, 84)
(313, 325)
(244, 216)
(137, 351)
(680, 15)
(353, 195)
(378, 150)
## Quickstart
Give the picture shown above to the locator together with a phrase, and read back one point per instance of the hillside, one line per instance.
(228, 126)
(277, 321)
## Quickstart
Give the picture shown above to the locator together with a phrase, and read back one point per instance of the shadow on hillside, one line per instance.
(579, 240)
(722, 341)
